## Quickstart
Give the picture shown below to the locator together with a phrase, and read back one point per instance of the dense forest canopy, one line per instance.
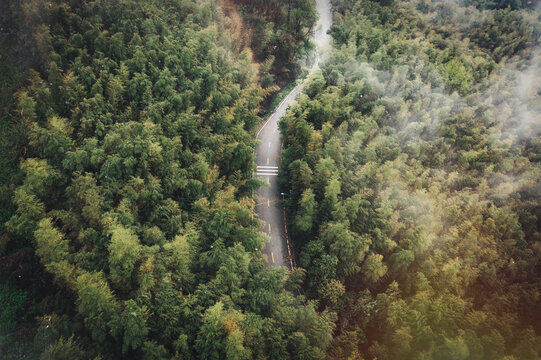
(412, 162)
(411, 168)
(128, 227)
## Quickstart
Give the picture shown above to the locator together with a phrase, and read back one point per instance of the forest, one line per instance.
(127, 222)
(411, 171)
(412, 164)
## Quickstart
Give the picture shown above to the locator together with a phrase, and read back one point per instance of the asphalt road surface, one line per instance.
(268, 157)
(267, 160)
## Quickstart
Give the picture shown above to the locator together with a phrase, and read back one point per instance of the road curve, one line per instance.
(268, 158)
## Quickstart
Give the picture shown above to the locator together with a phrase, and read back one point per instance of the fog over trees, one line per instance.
(410, 170)
(414, 180)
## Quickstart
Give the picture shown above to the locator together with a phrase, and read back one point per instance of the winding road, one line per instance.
(268, 157)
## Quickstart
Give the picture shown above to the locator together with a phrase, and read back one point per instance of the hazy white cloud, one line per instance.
(513, 99)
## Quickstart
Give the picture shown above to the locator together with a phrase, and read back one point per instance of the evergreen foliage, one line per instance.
(134, 181)
(414, 183)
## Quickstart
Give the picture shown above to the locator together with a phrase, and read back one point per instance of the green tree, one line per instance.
(124, 252)
(63, 349)
(458, 78)
(306, 212)
(30, 210)
(347, 246)
(373, 268)
(51, 247)
(130, 327)
(97, 304)
(332, 291)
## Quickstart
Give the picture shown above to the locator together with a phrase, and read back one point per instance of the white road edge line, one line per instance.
(277, 107)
